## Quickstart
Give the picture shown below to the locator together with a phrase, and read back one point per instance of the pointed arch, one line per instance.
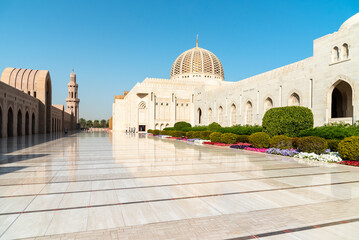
(10, 122)
(294, 99)
(233, 114)
(249, 113)
(210, 117)
(268, 104)
(19, 123)
(220, 115)
(27, 123)
(341, 100)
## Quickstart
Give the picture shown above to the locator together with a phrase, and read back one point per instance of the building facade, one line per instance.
(26, 104)
(327, 83)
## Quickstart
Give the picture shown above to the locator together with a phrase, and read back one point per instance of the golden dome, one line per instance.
(197, 61)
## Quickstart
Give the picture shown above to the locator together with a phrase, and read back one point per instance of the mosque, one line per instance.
(327, 83)
(26, 104)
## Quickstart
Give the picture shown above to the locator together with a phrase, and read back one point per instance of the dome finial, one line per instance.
(197, 41)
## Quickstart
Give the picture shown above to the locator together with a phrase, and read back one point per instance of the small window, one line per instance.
(34, 94)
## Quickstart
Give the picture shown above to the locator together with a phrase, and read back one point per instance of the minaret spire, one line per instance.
(197, 41)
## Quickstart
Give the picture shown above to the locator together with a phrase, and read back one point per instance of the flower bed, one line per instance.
(240, 145)
(193, 139)
(284, 152)
(350, 163)
(325, 157)
(262, 150)
(217, 144)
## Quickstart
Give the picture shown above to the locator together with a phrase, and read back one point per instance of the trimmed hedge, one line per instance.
(190, 134)
(259, 140)
(169, 128)
(156, 132)
(165, 132)
(229, 138)
(149, 131)
(243, 138)
(312, 144)
(205, 135)
(178, 133)
(332, 131)
(179, 126)
(281, 142)
(349, 148)
(214, 127)
(241, 130)
(287, 121)
(333, 145)
(215, 137)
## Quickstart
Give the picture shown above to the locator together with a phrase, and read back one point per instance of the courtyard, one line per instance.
(101, 186)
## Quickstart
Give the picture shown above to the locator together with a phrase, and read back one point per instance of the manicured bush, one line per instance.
(178, 134)
(205, 135)
(169, 128)
(179, 126)
(149, 131)
(241, 130)
(243, 138)
(259, 140)
(164, 132)
(190, 134)
(349, 148)
(287, 121)
(312, 144)
(156, 132)
(197, 134)
(229, 138)
(215, 137)
(333, 145)
(295, 142)
(214, 127)
(332, 131)
(281, 142)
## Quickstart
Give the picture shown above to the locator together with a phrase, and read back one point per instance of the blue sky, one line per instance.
(114, 44)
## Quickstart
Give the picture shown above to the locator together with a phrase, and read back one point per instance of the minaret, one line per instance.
(72, 102)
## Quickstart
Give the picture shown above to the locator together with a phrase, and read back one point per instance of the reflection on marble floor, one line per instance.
(96, 181)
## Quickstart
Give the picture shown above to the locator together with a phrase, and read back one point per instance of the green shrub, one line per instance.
(241, 130)
(287, 121)
(281, 142)
(178, 134)
(259, 140)
(205, 135)
(214, 127)
(164, 132)
(333, 145)
(332, 131)
(243, 138)
(169, 128)
(312, 144)
(156, 132)
(349, 148)
(190, 134)
(199, 128)
(215, 137)
(179, 126)
(149, 131)
(229, 138)
(197, 134)
(295, 142)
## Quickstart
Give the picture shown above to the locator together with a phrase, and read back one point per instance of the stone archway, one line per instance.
(33, 123)
(10, 123)
(0, 122)
(27, 124)
(199, 114)
(342, 100)
(19, 123)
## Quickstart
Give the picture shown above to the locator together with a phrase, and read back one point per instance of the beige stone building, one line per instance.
(327, 83)
(26, 104)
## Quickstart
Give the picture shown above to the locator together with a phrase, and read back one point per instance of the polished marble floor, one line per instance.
(131, 186)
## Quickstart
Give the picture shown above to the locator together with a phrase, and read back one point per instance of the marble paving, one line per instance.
(104, 186)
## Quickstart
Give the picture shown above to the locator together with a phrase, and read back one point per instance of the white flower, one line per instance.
(325, 157)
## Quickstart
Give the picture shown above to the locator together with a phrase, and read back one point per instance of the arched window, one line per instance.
(249, 113)
(156, 126)
(142, 105)
(199, 114)
(27, 124)
(233, 115)
(220, 115)
(345, 51)
(19, 123)
(342, 100)
(268, 104)
(335, 54)
(210, 120)
(294, 100)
